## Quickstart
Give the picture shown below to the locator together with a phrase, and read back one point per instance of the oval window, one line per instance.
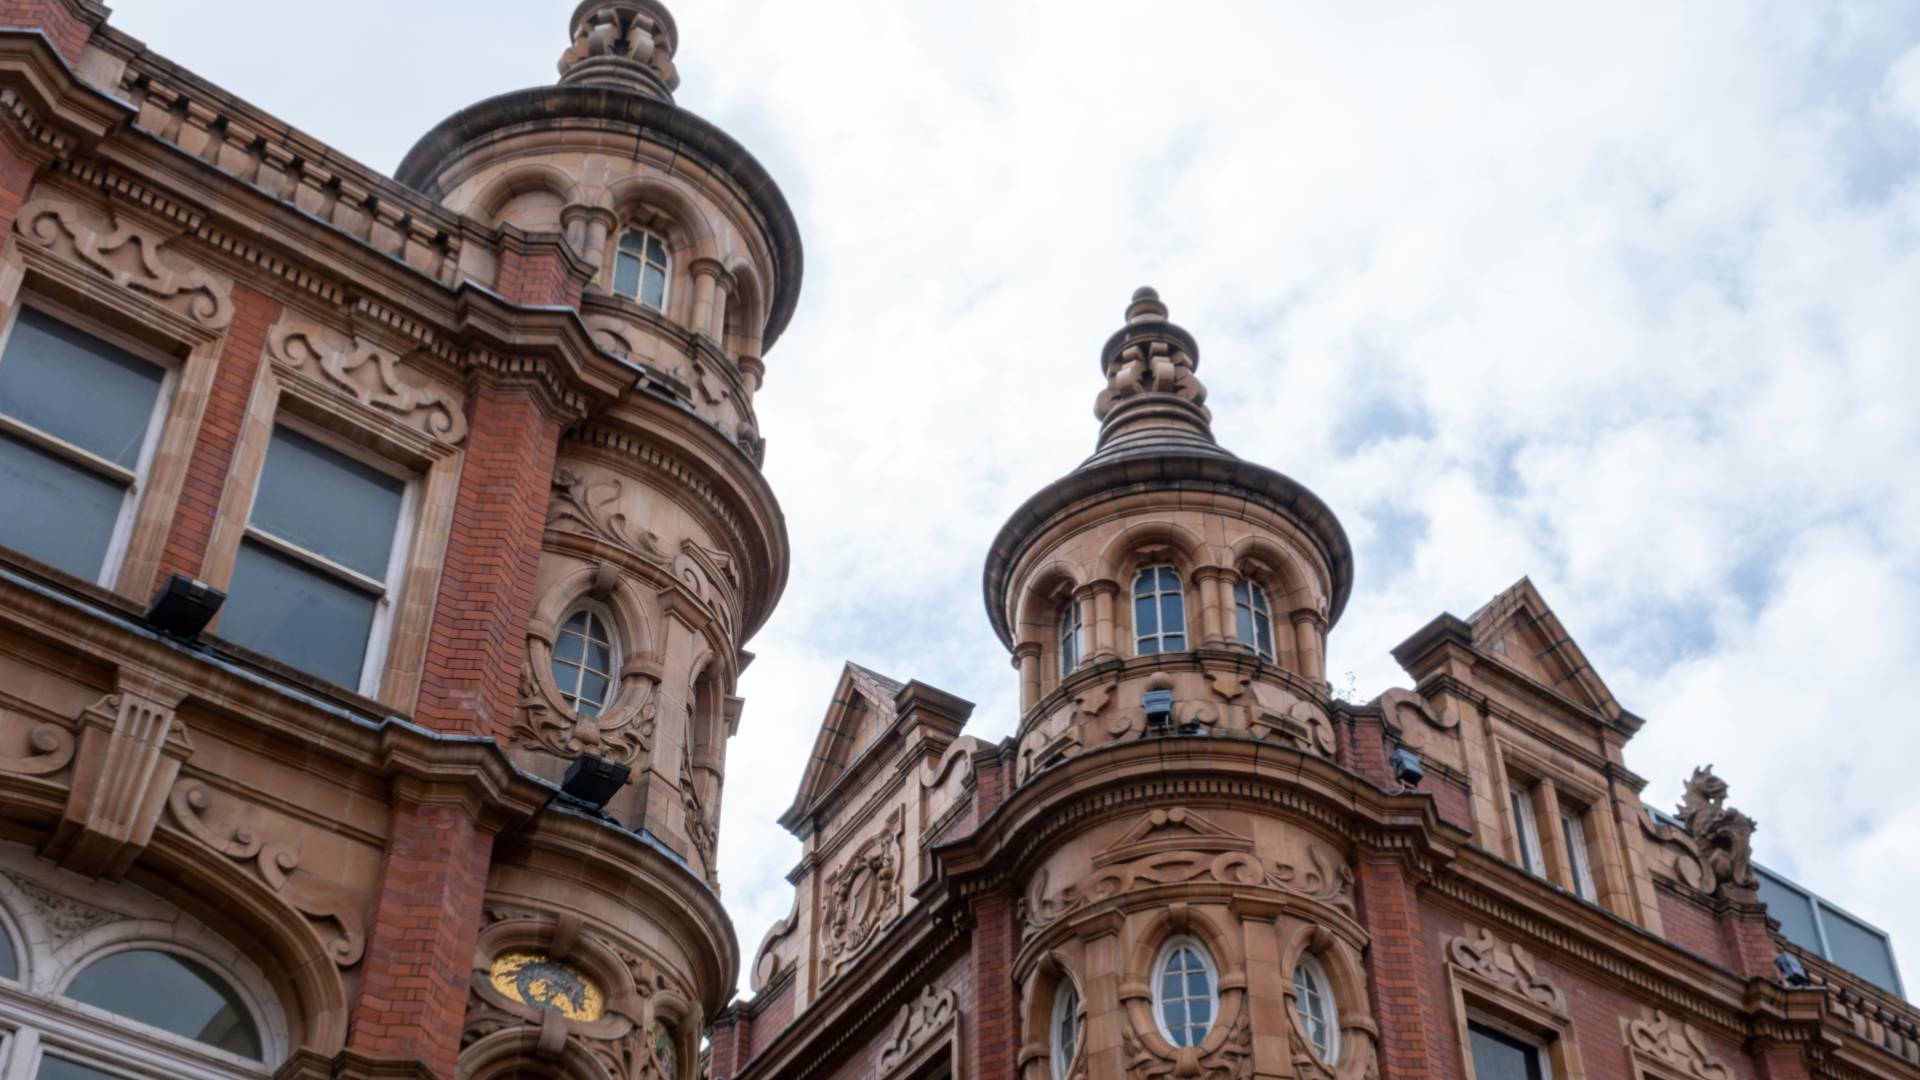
(171, 993)
(1313, 1000)
(585, 662)
(1065, 1028)
(1183, 992)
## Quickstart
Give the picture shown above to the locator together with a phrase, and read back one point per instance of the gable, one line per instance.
(1521, 631)
(862, 711)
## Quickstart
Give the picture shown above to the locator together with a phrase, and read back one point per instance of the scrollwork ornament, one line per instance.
(1676, 1044)
(127, 254)
(592, 507)
(50, 748)
(864, 893)
(620, 735)
(1511, 967)
(368, 374)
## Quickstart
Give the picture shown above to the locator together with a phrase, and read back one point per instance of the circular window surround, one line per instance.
(1317, 973)
(624, 724)
(1212, 969)
(604, 615)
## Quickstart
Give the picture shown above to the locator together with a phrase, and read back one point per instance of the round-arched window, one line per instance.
(642, 268)
(171, 993)
(9, 967)
(1255, 617)
(585, 662)
(1313, 1000)
(1159, 611)
(1064, 1031)
(1073, 630)
(1184, 988)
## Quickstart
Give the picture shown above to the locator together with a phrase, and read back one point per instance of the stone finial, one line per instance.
(626, 44)
(1724, 835)
(1152, 387)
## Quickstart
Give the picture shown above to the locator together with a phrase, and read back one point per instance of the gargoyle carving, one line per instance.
(1509, 967)
(864, 894)
(590, 507)
(1676, 1044)
(368, 374)
(127, 254)
(1724, 835)
(278, 865)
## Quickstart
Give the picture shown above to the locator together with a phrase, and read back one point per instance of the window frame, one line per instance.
(1573, 833)
(615, 648)
(1066, 999)
(1258, 606)
(1157, 977)
(390, 591)
(1323, 985)
(1529, 852)
(1542, 1046)
(1158, 593)
(1070, 635)
(138, 480)
(646, 232)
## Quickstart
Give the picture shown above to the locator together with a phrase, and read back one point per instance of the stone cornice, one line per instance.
(46, 112)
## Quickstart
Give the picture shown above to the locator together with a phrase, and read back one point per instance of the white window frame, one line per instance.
(616, 657)
(1526, 829)
(386, 593)
(1160, 634)
(1072, 635)
(1186, 941)
(135, 479)
(666, 270)
(1542, 1047)
(1573, 831)
(1066, 1007)
(1258, 607)
(1323, 986)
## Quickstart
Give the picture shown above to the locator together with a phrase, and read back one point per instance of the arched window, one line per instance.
(1255, 617)
(1073, 629)
(585, 663)
(642, 268)
(1159, 611)
(1313, 1000)
(1183, 991)
(9, 967)
(1065, 1029)
(171, 993)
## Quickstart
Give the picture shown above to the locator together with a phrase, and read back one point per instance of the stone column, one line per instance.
(1306, 634)
(709, 280)
(1104, 645)
(1026, 657)
(587, 229)
(1207, 580)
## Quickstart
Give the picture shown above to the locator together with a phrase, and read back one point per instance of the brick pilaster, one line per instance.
(993, 1042)
(1402, 1007)
(420, 939)
(226, 414)
(65, 22)
(478, 640)
(16, 179)
(538, 277)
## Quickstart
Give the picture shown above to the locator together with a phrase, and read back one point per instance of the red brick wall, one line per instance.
(993, 1040)
(420, 940)
(1693, 928)
(478, 641)
(67, 31)
(16, 179)
(239, 363)
(536, 278)
(1395, 959)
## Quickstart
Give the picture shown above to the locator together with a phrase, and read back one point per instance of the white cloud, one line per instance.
(1620, 297)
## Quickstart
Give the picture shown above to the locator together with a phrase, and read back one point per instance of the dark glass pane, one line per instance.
(1498, 1056)
(596, 630)
(1264, 641)
(593, 688)
(1197, 985)
(300, 616)
(328, 503)
(626, 275)
(1143, 583)
(1176, 1014)
(1173, 613)
(1200, 1013)
(635, 242)
(653, 290)
(1858, 949)
(1244, 622)
(56, 511)
(1169, 581)
(567, 647)
(47, 361)
(655, 251)
(600, 658)
(171, 993)
(1145, 622)
(53, 1068)
(1173, 642)
(8, 968)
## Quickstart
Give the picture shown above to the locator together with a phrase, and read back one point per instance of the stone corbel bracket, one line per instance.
(130, 750)
(127, 254)
(366, 373)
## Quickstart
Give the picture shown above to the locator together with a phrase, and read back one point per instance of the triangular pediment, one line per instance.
(861, 711)
(1174, 829)
(1521, 631)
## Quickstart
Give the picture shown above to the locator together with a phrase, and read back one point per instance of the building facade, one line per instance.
(470, 454)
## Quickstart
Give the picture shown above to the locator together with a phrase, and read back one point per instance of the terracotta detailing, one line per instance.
(995, 1027)
(226, 414)
(537, 278)
(421, 936)
(477, 643)
(1390, 912)
(61, 20)
(16, 179)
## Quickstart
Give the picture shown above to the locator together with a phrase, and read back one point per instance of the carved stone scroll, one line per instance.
(130, 256)
(366, 373)
(1675, 1044)
(131, 748)
(920, 1023)
(1509, 968)
(278, 864)
(592, 507)
(49, 749)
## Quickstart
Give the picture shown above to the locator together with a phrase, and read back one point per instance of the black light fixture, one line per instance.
(1159, 707)
(1406, 767)
(593, 781)
(1792, 972)
(183, 607)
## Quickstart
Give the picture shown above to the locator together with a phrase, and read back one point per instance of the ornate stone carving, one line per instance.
(66, 917)
(49, 749)
(919, 1022)
(1508, 967)
(278, 864)
(1178, 847)
(621, 734)
(1724, 835)
(864, 894)
(127, 254)
(1231, 1060)
(368, 374)
(700, 830)
(1675, 1044)
(131, 748)
(611, 37)
(589, 507)
(1151, 367)
(768, 962)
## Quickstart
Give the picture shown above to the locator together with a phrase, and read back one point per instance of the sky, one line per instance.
(1624, 297)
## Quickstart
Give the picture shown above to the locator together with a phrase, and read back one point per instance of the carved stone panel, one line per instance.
(1674, 1046)
(931, 1018)
(371, 376)
(863, 894)
(1508, 969)
(131, 256)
